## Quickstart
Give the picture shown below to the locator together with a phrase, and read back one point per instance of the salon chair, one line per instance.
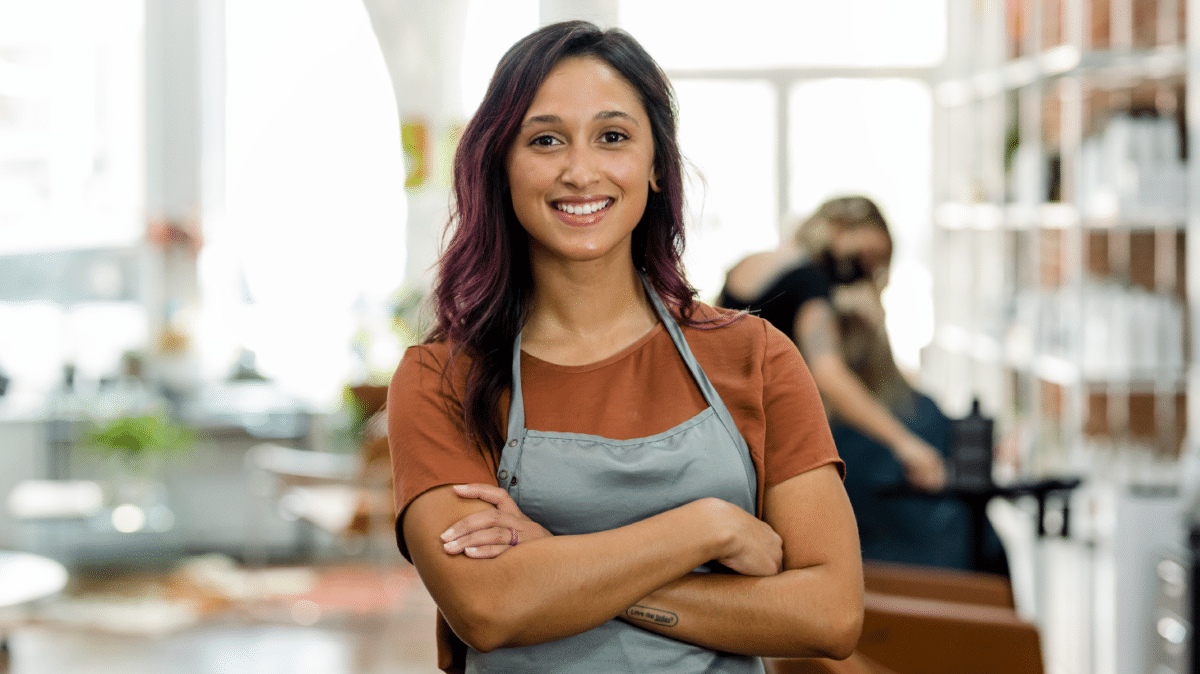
(346, 495)
(921, 620)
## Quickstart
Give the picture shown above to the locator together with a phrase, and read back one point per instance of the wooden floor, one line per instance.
(273, 638)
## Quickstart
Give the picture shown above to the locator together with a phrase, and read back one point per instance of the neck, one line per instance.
(585, 312)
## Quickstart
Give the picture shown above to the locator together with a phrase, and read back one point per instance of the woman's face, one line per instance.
(580, 167)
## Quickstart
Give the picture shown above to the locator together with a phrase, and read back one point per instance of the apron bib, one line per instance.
(574, 483)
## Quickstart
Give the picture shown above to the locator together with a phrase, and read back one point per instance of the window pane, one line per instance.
(315, 225)
(71, 111)
(873, 137)
(769, 33)
(727, 133)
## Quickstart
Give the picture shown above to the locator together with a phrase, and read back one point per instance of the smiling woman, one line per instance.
(579, 167)
(594, 471)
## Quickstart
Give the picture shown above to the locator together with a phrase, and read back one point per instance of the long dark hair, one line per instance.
(484, 284)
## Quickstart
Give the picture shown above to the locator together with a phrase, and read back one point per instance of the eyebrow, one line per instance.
(602, 115)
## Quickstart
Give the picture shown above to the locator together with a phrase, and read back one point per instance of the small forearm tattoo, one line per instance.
(653, 616)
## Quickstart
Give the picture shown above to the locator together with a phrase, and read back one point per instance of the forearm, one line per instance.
(854, 403)
(560, 586)
(818, 338)
(798, 613)
(813, 608)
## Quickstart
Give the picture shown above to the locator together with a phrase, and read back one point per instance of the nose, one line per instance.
(580, 168)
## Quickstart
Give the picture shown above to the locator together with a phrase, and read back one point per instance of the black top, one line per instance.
(781, 301)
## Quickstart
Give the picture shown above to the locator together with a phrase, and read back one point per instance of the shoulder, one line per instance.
(434, 354)
(713, 325)
(759, 273)
(734, 339)
(427, 367)
(755, 263)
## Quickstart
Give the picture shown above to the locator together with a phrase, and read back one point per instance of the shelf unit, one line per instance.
(1070, 326)
(1063, 238)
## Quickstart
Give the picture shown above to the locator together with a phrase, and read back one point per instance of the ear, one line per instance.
(654, 180)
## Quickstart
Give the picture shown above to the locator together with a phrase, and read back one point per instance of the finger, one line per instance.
(484, 519)
(485, 551)
(491, 536)
(485, 492)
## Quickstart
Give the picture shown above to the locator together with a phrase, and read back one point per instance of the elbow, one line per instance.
(845, 628)
(483, 628)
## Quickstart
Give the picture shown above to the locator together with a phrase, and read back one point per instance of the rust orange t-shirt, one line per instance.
(643, 390)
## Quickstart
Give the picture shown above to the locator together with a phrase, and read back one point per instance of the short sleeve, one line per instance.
(425, 437)
(798, 438)
(810, 284)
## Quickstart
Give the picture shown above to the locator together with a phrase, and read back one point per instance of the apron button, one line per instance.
(503, 474)
(512, 443)
(514, 480)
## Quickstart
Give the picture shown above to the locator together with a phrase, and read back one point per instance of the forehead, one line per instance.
(866, 237)
(585, 85)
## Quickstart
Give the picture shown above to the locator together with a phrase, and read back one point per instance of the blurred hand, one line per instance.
(862, 299)
(490, 533)
(923, 465)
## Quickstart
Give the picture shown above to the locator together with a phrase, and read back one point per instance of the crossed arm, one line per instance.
(798, 592)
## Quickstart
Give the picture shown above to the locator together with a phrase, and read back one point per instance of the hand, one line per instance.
(489, 533)
(752, 547)
(923, 465)
(863, 299)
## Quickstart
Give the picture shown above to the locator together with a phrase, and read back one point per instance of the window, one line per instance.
(732, 183)
(314, 230)
(688, 34)
(72, 176)
(850, 81)
(873, 137)
(71, 111)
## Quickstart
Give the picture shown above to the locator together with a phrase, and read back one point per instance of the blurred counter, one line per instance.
(208, 498)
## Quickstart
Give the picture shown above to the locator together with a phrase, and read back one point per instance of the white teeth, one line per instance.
(583, 209)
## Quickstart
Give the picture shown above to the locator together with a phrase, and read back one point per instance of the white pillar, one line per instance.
(184, 71)
(422, 46)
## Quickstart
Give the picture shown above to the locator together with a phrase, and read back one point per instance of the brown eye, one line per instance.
(614, 137)
(544, 141)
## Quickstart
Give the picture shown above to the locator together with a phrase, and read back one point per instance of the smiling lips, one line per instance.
(582, 213)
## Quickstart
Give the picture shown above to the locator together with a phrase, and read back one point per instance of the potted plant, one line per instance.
(136, 445)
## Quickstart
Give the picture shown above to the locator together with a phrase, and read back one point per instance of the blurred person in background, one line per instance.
(840, 254)
(925, 530)
(594, 472)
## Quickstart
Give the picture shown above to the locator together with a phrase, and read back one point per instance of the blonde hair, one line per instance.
(815, 234)
(867, 353)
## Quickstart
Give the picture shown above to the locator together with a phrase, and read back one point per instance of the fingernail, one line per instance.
(470, 551)
(459, 487)
(452, 546)
(448, 534)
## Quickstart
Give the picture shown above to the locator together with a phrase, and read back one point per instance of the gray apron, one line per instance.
(573, 483)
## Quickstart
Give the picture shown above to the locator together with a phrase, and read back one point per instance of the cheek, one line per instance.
(526, 179)
(634, 174)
